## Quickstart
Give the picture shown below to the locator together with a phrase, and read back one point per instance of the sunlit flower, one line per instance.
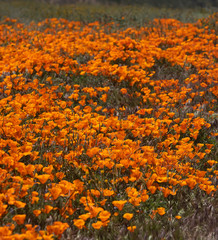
(97, 225)
(132, 127)
(119, 204)
(79, 223)
(84, 216)
(161, 211)
(104, 216)
(19, 219)
(43, 178)
(37, 212)
(128, 216)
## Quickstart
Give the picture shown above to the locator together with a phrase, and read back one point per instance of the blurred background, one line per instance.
(134, 12)
(156, 3)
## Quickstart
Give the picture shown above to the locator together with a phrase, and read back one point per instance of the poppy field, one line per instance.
(107, 132)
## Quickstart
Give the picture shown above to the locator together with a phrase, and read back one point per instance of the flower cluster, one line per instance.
(95, 121)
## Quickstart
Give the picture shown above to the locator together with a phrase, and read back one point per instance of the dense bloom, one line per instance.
(96, 121)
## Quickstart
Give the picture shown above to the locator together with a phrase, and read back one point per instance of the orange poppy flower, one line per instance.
(161, 211)
(97, 225)
(123, 90)
(84, 216)
(57, 228)
(19, 204)
(55, 192)
(47, 209)
(43, 178)
(128, 216)
(94, 211)
(108, 192)
(131, 228)
(104, 97)
(93, 151)
(119, 204)
(19, 219)
(104, 215)
(48, 169)
(37, 212)
(79, 223)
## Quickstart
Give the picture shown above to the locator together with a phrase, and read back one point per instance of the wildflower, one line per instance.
(191, 182)
(128, 216)
(47, 209)
(123, 90)
(19, 219)
(37, 212)
(161, 211)
(104, 97)
(97, 225)
(85, 216)
(48, 169)
(55, 192)
(119, 204)
(93, 151)
(19, 204)
(104, 215)
(152, 189)
(211, 162)
(103, 202)
(57, 228)
(43, 178)
(94, 211)
(79, 223)
(108, 192)
(131, 228)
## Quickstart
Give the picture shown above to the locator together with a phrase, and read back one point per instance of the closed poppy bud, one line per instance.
(131, 228)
